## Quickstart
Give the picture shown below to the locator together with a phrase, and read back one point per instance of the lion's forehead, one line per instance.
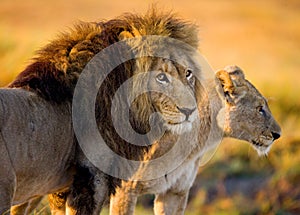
(183, 61)
(254, 96)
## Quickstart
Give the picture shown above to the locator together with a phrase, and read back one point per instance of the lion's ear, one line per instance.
(125, 35)
(230, 83)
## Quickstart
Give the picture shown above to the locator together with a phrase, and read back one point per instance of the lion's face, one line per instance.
(248, 116)
(172, 94)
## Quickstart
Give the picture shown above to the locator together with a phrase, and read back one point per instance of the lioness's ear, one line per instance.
(236, 74)
(225, 85)
(224, 79)
(231, 83)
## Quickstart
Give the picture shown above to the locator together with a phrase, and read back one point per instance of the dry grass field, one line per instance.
(262, 37)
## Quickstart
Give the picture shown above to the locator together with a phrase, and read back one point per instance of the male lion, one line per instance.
(247, 117)
(38, 147)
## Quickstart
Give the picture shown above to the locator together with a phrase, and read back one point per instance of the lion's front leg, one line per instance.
(5, 197)
(89, 191)
(102, 191)
(7, 179)
(124, 201)
(170, 203)
(19, 209)
(174, 200)
(27, 207)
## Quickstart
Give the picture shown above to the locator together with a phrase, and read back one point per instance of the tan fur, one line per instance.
(243, 120)
(30, 167)
(52, 78)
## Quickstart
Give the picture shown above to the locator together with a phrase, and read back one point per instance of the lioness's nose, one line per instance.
(275, 135)
(186, 111)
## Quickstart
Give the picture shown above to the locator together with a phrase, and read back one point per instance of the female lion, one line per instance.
(246, 117)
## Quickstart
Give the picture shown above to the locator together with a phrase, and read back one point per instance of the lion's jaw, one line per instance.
(182, 124)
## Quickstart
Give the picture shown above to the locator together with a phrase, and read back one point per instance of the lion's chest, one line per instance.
(178, 180)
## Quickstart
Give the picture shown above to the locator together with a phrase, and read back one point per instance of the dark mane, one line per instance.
(56, 68)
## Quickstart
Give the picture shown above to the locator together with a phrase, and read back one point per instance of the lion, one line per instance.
(42, 155)
(246, 117)
(36, 153)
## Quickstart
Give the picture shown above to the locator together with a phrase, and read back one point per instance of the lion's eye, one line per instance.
(188, 74)
(162, 78)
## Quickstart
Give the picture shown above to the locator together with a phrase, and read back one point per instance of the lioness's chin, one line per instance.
(262, 148)
(179, 128)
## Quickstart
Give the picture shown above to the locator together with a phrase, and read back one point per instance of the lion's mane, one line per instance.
(55, 70)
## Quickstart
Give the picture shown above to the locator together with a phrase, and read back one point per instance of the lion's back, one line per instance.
(32, 133)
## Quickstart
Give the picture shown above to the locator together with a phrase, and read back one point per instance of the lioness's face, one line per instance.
(254, 121)
(248, 115)
(172, 91)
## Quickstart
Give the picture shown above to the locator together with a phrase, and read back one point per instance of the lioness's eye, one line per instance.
(162, 78)
(188, 74)
(261, 110)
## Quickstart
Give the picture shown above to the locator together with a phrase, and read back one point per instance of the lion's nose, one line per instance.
(186, 111)
(275, 135)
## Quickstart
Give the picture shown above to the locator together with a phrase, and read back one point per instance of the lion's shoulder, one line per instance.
(55, 70)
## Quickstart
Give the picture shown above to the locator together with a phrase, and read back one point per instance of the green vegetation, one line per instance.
(262, 37)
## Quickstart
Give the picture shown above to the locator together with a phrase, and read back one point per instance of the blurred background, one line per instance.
(262, 37)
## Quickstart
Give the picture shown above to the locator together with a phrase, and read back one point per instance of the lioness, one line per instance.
(247, 117)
